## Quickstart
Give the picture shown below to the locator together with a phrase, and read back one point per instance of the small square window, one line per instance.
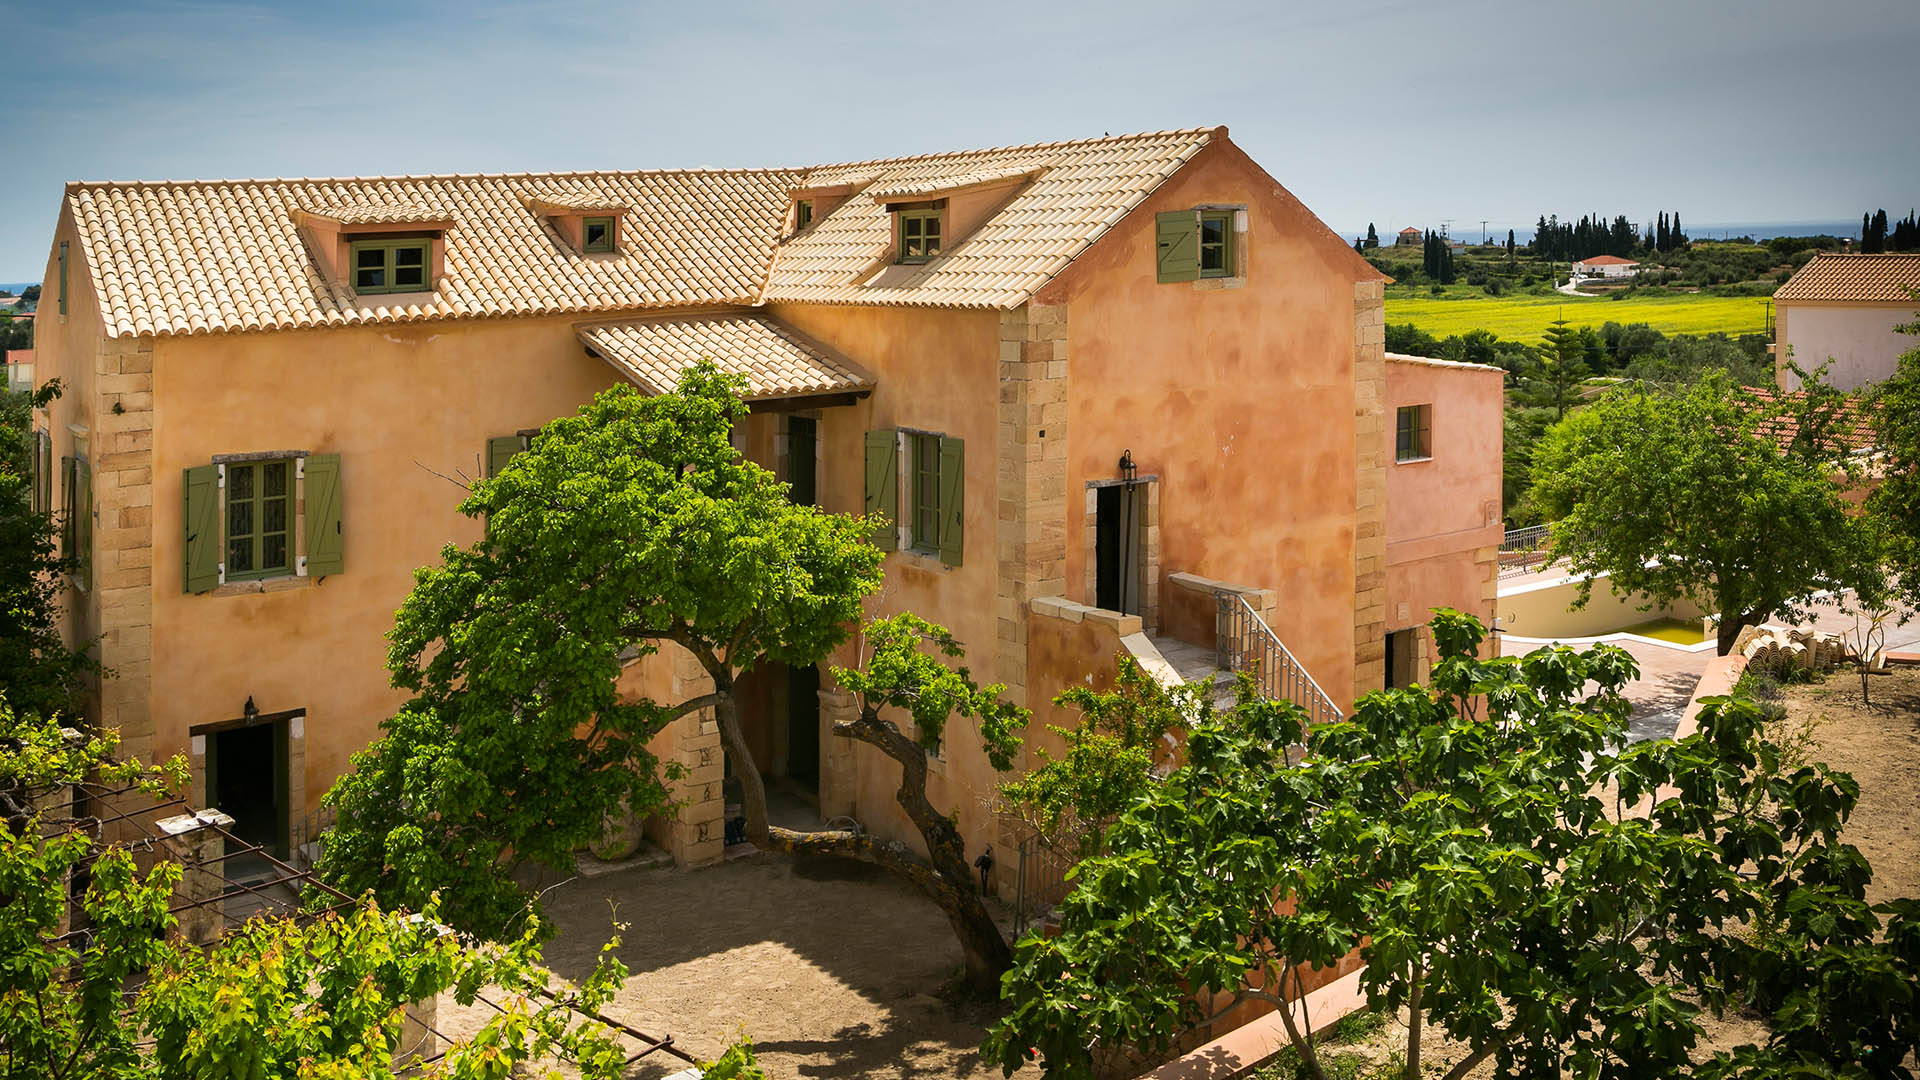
(1216, 243)
(596, 234)
(388, 266)
(919, 235)
(1413, 433)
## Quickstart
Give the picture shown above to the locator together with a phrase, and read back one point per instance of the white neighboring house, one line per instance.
(1846, 308)
(1605, 266)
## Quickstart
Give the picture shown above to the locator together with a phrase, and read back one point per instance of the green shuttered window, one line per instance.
(76, 521)
(259, 525)
(63, 277)
(936, 492)
(326, 547)
(238, 521)
(389, 266)
(1194, 244)
(501, 450)
(1178, 245)
(883, 487)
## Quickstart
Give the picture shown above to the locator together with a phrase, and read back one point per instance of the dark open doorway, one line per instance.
(1117, 547)
(1402, 654)
(247, 779)
(802, 438)
(803, 727)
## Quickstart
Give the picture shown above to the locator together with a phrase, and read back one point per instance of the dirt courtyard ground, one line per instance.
(831, 966)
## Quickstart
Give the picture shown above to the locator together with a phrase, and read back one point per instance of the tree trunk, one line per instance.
(1730, 628)
(945, 876)
(753, 790)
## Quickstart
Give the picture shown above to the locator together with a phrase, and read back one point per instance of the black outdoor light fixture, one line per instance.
(1128, 470)
(250, 710)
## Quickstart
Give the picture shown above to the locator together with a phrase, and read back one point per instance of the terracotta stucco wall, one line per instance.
(1443, 513)
(1861, 339)
(1239, 398)
(399, 404)
(936, 370)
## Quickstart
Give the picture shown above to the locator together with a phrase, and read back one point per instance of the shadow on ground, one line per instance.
(832, 966)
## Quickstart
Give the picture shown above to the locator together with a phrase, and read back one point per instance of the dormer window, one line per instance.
(802, 214)
(586, 221)
(596, 234)
(375, 248)
(919, 234)
(392, 264)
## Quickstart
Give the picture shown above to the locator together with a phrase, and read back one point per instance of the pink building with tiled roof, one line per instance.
(271, 381)
(1846, 309)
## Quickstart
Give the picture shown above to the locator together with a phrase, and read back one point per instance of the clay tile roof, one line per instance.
(186, 258)
(1852, 427)
(172, 258)
(1608, 260)
(368, 212)
(909, 189)
(1871, 278)
(776, 360)
(1080, 191)
(550, 201)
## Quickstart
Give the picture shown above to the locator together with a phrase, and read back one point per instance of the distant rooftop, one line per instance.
(1856, 278)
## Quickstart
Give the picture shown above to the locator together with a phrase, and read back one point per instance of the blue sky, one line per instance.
(1393, 111)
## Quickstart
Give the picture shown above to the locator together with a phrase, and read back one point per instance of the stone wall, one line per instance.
(1370, 499)
(1031, 488)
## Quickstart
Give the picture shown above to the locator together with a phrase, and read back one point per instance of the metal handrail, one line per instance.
(1244, 642)
(1522, 550)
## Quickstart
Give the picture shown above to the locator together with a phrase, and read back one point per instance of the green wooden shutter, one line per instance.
(500, 451)
(883, 486)
(45, 482)
(200, 523)
(326, 550)
(1178, 245)
(953, 499)
(83, 498)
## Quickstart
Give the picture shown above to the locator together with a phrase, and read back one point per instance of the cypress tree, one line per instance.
(1866, 231)
(1373, 238)
(1679, 236)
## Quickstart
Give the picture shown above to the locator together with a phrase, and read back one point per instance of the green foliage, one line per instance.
(1111, 753)
(1510, 869)
(1559, 369)
(632, 523)
(901, 674)
(738, 1063)
(38, 672)
(321, 999)
(1681, 495)
(15, 333)
(1894, 506)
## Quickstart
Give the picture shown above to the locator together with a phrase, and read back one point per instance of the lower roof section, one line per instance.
(778, 362)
